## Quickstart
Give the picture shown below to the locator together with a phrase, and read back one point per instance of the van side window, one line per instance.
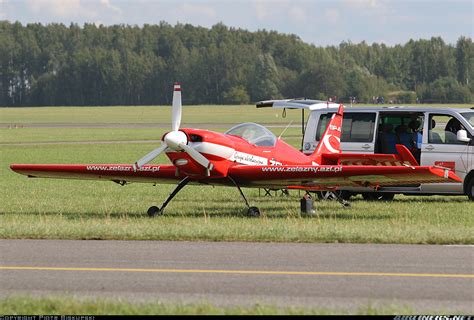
(443, 129)
(404, 128)
(356, 127)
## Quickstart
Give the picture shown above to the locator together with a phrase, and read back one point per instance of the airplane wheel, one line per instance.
(253, 212)
(374, 196)
(153, 211)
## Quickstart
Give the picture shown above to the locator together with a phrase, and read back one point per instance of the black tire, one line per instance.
(376, 196)
(253, 212)
(153, 211)
(331, 195)
(470, 189)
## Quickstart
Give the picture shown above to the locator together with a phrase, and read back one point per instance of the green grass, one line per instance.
(24, 305)
(30, 135)
(160, 114)
(72, 209)
(148, 114)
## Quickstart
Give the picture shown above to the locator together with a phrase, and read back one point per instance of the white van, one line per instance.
(436, 136)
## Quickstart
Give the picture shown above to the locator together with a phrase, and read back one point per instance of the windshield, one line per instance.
(253, 133)
(469, 116)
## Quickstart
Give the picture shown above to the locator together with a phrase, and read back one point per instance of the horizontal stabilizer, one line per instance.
(327, 177)
(403, 158)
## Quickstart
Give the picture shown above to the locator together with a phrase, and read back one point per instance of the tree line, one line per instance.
(55, 64)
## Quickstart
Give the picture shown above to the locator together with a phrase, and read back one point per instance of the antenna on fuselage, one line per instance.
(289, 124)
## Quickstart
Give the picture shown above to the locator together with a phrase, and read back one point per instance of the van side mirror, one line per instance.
(462, 136)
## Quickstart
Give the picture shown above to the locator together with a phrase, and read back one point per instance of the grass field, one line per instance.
(159, 114)
(149, 114)
(75, 306)
(69, 209)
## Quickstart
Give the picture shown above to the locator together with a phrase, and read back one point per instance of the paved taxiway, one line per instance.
(342, 276)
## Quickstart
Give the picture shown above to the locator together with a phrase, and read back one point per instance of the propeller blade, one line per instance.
(150, 156)
(202, 160)
(176, 109)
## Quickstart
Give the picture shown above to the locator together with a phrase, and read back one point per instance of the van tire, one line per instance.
(376, 196)
(470, 189)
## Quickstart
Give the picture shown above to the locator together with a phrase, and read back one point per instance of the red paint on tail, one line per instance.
(330, 142)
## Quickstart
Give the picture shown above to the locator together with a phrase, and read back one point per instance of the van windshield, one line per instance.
(469, 116)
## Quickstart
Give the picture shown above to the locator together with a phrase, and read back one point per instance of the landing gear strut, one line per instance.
(154, 210)
(252, 211)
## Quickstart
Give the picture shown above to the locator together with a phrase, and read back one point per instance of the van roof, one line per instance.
(303, 103)
(300, 103)
(405, 108)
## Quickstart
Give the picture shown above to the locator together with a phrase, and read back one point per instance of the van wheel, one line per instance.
(332, 195)
(375, 196)
(470, 189)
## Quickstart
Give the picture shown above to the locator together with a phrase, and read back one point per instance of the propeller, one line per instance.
(175, 139)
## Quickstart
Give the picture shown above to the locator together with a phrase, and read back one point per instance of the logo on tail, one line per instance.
(331, 140)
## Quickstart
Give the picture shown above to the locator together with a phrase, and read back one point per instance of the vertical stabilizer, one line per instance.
(331, 139)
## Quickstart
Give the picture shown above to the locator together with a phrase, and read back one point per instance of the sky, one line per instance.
(320, 22)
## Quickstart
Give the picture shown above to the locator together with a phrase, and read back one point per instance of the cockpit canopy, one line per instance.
(254, 134)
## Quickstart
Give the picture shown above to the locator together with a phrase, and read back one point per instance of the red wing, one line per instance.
(111, 172)
(329, 177)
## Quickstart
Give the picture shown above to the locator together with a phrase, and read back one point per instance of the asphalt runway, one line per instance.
(340, 276)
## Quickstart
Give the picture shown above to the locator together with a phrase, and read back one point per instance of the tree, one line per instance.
(464, 59)
(56, 64)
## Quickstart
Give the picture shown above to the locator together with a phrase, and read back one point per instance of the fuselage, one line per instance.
(227, 150)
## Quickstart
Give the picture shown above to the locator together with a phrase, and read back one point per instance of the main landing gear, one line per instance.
(251, 211)
(154, 210)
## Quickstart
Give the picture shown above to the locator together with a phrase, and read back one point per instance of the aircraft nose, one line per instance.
(174, 138)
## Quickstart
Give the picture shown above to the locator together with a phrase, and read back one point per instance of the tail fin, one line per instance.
(331, 140)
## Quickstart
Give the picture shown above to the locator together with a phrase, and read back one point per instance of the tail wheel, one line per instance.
(253, 212)
(376, 196)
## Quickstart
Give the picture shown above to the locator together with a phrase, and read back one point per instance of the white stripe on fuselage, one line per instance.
(210, 148)
(213, 149)
(227, 153)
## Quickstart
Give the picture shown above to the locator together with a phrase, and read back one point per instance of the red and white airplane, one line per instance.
(249, 155)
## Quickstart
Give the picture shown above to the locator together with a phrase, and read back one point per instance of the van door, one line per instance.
(440, 147)
(358, 131)
(400, 127)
